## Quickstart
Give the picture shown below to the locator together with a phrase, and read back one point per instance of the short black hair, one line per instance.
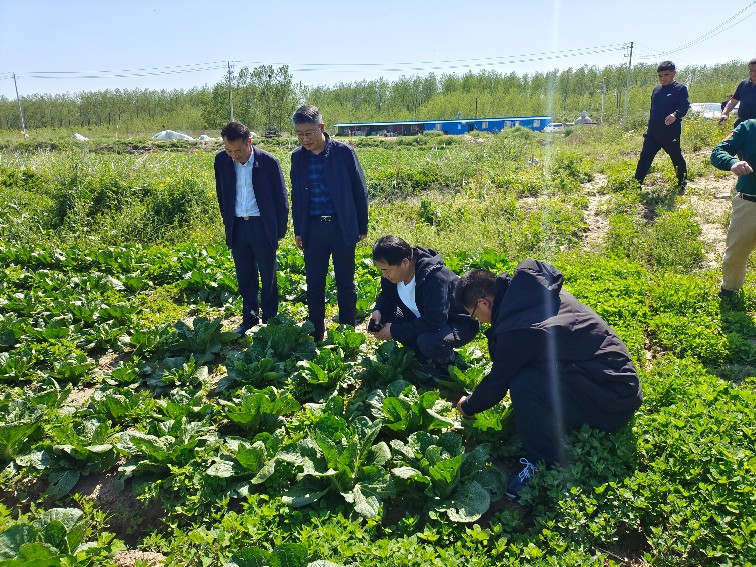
(392, 250)
(307, 114)
(752, 61)
(665, 66)
(234, 131)
(474, 285)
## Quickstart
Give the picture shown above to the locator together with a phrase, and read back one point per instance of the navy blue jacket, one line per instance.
(346, 185)
(537, 324)
(666, 100)
(434, 296)
(269, 188)
(746, 95)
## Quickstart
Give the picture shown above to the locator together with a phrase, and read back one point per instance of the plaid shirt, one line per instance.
(320, 197)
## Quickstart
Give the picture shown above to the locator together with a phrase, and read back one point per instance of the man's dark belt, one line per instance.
(249, 218)
(748, 197)
(324, 218)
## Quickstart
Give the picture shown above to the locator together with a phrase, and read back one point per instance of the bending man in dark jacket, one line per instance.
(561, 363)
(255, 211)
(330, 211)
(416, 304)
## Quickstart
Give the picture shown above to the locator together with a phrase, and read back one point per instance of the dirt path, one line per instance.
(708, 197)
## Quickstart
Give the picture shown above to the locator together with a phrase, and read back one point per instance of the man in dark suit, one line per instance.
(329, 207)
(252, 198)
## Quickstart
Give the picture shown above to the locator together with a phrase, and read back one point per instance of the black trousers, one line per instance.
(435, 346)
(255, 257)
(322, 242)
(547, 406)
(669, 141)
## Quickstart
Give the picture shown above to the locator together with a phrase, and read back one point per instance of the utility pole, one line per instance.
(20, 110)
(627, 88)
(230, 100)
(603, 99)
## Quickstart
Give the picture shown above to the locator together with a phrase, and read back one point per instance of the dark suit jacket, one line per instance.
(346, 183)
(269, 188)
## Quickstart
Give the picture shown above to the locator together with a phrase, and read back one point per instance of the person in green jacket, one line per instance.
(737, 153)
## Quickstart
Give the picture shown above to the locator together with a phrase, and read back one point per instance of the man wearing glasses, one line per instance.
(330, 212)
(562, 365)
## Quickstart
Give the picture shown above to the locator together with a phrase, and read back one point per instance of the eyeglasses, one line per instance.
(476, 305)
(308, 134)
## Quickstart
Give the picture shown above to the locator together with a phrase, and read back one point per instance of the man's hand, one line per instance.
(298, 241)
(459, 407)
(670, 119)
(741, 168)
(385, 333)
(723, 119)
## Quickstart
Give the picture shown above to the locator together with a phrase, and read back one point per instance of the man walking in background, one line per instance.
(254, 206)
(745, 94)
(737, 153)
(669, 103)
(330, 212)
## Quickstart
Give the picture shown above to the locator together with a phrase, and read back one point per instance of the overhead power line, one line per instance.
(125, 73)
(454, 64)
(713, 32)
(404, 66)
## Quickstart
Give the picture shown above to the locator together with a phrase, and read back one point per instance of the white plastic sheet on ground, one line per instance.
(171, 135)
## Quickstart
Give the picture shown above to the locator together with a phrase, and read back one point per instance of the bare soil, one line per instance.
(708, 197)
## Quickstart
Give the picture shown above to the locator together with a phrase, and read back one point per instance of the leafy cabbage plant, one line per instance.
(79, 449)
(283, 341)
(392, 362)
(203, 340)
(246, 368)
(247, 463)
(403, 410)
(340, 456)
(457, 483)
(165, 444)
(22, 415)
(259, 410)
(57, 537)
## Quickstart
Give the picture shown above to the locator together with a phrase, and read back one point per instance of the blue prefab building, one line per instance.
(457, 126)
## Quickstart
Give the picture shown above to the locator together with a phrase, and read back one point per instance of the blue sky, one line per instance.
(85, 45)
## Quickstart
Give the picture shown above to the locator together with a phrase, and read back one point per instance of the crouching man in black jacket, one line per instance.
(416, 304)
(561, 363)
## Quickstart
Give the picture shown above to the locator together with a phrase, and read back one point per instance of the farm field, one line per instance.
(136, 429)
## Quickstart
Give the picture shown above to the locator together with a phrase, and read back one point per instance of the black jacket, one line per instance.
(537, 324)
(270, 193)
(434, 296)
(666, 100)
(346, 184)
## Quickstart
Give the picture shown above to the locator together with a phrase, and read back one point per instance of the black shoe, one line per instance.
(246, 326)
(726, 293)
(682, 186)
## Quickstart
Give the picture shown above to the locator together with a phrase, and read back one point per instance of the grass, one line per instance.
(674, 487)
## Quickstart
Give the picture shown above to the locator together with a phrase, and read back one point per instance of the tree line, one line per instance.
(265, 97)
